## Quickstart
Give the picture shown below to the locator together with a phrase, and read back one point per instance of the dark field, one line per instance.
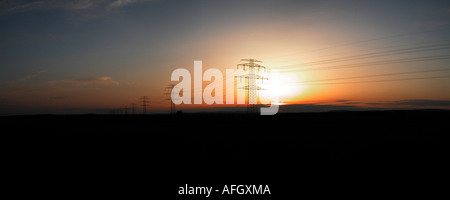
(333, 153)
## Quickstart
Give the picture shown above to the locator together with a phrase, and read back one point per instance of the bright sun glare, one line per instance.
(284, 85)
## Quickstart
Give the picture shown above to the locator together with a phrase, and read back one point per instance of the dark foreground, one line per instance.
(341, 154)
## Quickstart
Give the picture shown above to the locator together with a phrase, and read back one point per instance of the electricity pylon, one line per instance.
(144, 102)
(251, 86)
(170, 88)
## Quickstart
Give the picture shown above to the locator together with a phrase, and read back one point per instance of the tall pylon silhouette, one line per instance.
(144, 102)
(169, 90)
(253, 68)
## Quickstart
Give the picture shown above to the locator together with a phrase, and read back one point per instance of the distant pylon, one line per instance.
(251, 86)
(170, 88)
(144, 102)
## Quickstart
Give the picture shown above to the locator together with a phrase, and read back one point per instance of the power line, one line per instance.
(365, 41)
(378, 81)
(418, 59)
(374, 55)
(327, 56)
(379, 75)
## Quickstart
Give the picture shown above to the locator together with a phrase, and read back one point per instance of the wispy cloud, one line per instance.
(28, 77)
(23, 6)
(119, 3)
(347, 102)
(23, 84)
(60, 97)
(422, 103)
(318, 108)
(81, 4)
(342, 100)
(11, 7)
(349, 105)
(103, 80)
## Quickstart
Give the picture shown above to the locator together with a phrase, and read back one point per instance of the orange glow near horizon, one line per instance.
(285, 86)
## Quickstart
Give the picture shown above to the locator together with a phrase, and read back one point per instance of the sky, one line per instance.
(86, 56)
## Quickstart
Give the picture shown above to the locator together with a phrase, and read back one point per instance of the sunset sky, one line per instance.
(92, 56)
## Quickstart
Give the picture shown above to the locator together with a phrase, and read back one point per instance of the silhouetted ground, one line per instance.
(334, 153)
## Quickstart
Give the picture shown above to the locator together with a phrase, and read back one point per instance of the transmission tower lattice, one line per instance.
(144, 102)
(169, 90)
(253, 70)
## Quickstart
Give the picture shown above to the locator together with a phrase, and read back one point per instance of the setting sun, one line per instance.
(285, 86)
